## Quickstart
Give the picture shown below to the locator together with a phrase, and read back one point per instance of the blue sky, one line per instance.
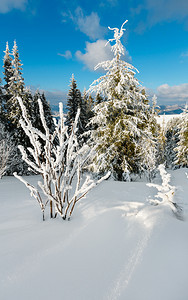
(57, 38)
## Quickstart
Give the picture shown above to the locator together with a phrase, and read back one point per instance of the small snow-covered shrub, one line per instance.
(58, 159)
(166, 192)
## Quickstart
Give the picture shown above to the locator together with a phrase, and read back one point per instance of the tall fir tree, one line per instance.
(75, 101)
(171, 141)
(89, 103)
(35, 116)
(8, 73)
(15, 88)
(182, 148)
(161, 141)
(82, 105)
(149, 143)
(8, 69)
(154, 111)
(10, 109)
(90, 106)
(48, 112)
(98, 98)
(121, 120)
(6, 148)
(2, 105)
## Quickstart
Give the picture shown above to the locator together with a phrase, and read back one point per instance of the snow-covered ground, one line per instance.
(163, 119)
(117, 246)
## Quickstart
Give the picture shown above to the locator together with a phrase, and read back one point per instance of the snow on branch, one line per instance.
(60, 162)
(118, 47)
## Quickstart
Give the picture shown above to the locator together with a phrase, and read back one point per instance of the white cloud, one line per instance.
(174, 93)
(67, 54)
(89, 25)
(8, 5)
(96, 52)
(168, 95)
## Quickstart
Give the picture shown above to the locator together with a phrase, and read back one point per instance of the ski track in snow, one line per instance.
(127, 272)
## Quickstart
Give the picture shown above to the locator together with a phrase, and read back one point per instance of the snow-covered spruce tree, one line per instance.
(6, 148)
(2, 105)
(35, 113)
(149, 144)
(98, 99)
(182, 148)
(148, 156)
(8, 72)
(121, 120)
(8, 69)
(153, 117)
(82, 121)
(75, 101)
(60, 164)
(161, 141)
(89, 103)
(171, 141)
(15, 87)
(47, 111)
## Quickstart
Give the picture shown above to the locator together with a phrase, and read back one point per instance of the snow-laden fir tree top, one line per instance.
(120, 75)
(17, 81)
(16, 88)
(8, 69)
(119, 83)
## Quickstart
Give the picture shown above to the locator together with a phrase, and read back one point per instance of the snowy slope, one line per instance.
(116, 246)
(163, 119)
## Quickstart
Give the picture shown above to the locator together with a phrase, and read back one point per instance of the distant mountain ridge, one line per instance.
(174, 109)
(170, 109)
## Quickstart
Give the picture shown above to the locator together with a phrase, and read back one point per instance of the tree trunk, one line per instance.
(51, 209)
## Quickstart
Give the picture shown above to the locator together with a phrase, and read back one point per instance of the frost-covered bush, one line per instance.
(60, 162)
